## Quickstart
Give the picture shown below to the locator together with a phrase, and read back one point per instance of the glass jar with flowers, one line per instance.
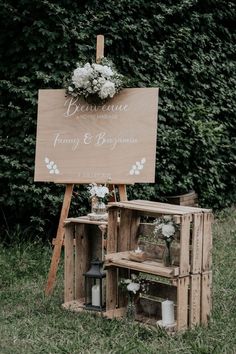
(98, 194)
(166, 228)
(132, 287)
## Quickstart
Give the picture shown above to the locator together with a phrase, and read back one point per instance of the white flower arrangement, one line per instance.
(98, 191)
(165, 227)
(95, 82)
(134, 284)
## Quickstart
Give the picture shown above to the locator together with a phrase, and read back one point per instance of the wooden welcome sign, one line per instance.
(112, 143)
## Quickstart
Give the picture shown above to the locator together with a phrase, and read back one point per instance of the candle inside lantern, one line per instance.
(96, 295)
(167, 310)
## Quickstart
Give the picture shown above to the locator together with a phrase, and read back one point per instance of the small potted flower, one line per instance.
(166, 228)
(98, 194)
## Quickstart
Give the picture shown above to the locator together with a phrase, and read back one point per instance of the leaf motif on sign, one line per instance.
(51, 166)
(135, 169)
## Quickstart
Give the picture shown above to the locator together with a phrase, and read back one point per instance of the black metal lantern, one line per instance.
(94, 287)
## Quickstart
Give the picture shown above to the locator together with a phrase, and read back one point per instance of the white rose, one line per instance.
(134, 287)
(108, 89)
(103, 70)
(168, 230)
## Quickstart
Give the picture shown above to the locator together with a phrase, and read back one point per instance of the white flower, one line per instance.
(103, 69)
(134, 287)
(168, 230)
(81, 76)
(108, 89)
(98, 191)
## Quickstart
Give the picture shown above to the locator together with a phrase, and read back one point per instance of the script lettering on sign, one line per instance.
(114, 142)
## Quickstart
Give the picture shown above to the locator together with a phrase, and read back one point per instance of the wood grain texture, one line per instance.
(82, 258)
(197, 235)
(195, 300)
(206, 297)
(207, 242)
(69, 264)
(184, 261)
(81, 143)
(112, 231)
(182, 303)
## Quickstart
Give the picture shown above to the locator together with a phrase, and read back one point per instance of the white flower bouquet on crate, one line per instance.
(98, 193)
(96, 83)
(166, 228)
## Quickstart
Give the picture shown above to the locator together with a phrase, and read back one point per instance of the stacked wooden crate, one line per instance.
(189, 280)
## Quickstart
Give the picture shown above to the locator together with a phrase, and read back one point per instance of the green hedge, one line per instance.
(186, 48)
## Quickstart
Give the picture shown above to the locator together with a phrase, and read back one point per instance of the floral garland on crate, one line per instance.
(96, 83)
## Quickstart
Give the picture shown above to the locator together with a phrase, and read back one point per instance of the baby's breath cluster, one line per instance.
(95, 82)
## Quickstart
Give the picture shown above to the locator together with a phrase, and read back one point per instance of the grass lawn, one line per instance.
(32, 323)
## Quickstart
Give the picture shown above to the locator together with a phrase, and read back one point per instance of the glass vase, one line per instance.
(167, 255)
(99, 207)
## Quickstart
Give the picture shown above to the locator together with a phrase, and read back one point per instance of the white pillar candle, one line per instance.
(167, 310)
(96, 295)
(138, 250)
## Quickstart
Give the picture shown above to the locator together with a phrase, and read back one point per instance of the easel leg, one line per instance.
(59, 240)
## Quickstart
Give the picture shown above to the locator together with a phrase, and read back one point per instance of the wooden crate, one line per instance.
(84, 241)
(190, 243)
(193, 253)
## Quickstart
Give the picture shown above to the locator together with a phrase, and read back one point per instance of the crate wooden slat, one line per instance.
(121, 260)
(197, 235)
(182, 305)
(207, 242)
(195, 300)
(184, 265)
(206, 297)
(82, 256)
(69, 264)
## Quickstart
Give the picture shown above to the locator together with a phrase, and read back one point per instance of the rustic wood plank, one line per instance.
(59, 240)
(135, 222)
(124, 232)
(82, 257)
(112, 231)
(207, 242)
(111, 289)
(121, 260)
(84, 220)
(194, 302)
(182, 303)
(184, 260)
(206, 297)
(168, 206)
(149, 209)
(69, 264)
(197, 234)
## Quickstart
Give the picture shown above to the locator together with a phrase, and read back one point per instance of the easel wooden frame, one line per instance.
(66, 204)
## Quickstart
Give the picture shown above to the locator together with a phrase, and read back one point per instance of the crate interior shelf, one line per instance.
(121, 259)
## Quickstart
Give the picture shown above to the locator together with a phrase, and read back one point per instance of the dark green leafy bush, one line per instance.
(186, 48)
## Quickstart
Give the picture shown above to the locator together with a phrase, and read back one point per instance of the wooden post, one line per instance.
(100, 48)
(59, 240)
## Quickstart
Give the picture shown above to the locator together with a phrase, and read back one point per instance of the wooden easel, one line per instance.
(66, 204)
